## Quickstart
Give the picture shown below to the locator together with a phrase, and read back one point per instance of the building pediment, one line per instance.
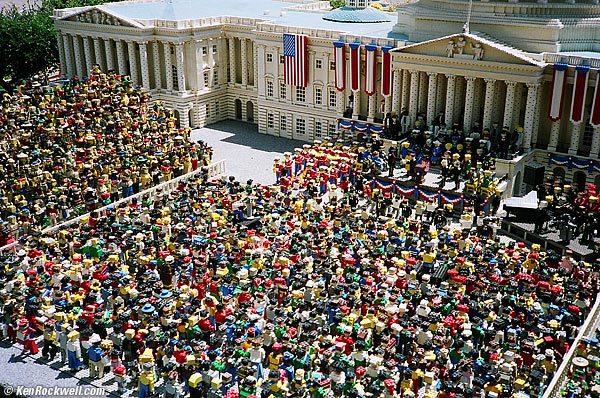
(99, 16)
(470, 47)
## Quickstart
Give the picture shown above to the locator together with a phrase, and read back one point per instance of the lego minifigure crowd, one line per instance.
(223, 289)
(80, 145)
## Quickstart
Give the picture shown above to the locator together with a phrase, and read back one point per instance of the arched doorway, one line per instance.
(191, 118)
(559, 174)
(250, 111)
(517, 185)
(177, 118)
(579, 180)
(238, 109)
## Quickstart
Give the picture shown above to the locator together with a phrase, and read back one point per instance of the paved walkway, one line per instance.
(247, 154)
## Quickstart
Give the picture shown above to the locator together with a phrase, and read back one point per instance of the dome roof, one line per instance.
(357, 15)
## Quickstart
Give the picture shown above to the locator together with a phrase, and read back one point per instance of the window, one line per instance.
(361, 3)
(217, 109)
(229, 75)
(214, 48)
(318, 96)
(205, 79)
(270, 120)
(300, 94)
(300, 126)
(204, 50)
(269, 57)
(215, 77)
(332, 98)
(175, 79)
(331, 129)
(281, 59)
(318, 126)
(318, 63)
(172, 48)
(282, 123)
(282, 90)
(331, 65)
(207, 111)
(269, 88)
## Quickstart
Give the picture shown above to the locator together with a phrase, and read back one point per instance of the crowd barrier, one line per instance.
(587, 330)
(213, 170)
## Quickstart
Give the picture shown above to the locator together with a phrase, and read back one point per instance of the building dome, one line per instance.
(357, 15)
(572, 25)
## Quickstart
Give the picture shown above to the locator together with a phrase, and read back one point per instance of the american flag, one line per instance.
(294, 53)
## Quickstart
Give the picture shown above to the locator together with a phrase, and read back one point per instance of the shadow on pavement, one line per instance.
(246, 134)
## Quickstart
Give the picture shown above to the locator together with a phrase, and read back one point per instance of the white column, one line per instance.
(255, 65)
(78, 64)
(244, 61)
(144, 64)
(575, 134)
(469, 97)
(450, 88)
(68, 68)
(355, 104)
(232, 65)
(98, 54)
(88, 55)
(121, 57)
(157, 66)
(488, 107)
(110, 60)
(132, 62)
(260, 64)
(405, 90)
(222, 62)
(595, 148)
(61, 54)
(536, 118)
(180, 67)
(168, 65)
(431, 98)
(199, 65)
(372, 108)
(509, 104)
(554, 131)
(211, 62)
(414, 94)
(339, 103)
(532, 91)
(396, 88)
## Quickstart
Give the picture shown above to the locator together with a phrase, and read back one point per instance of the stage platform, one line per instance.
(550, 240)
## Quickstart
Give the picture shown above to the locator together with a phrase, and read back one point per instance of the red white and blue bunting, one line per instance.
(370, 66)
(595, 116)
(559, 81)
(355, 66)
(579, 93)
(340, 65)
(386, 71)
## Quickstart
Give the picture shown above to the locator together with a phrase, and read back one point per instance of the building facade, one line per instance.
(225, 60)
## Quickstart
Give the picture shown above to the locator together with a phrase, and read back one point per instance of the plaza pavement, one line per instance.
(247, 154)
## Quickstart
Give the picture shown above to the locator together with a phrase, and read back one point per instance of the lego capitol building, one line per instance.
(517, 64)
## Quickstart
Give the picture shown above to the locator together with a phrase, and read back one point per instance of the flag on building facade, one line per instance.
(558, 88)
(355, 66)
(386, 71)
(595, 116)
(579, 93)
(370, 66)
(340, 64)
(295, 59)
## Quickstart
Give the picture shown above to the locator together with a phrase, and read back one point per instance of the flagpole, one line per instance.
(466, 26)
